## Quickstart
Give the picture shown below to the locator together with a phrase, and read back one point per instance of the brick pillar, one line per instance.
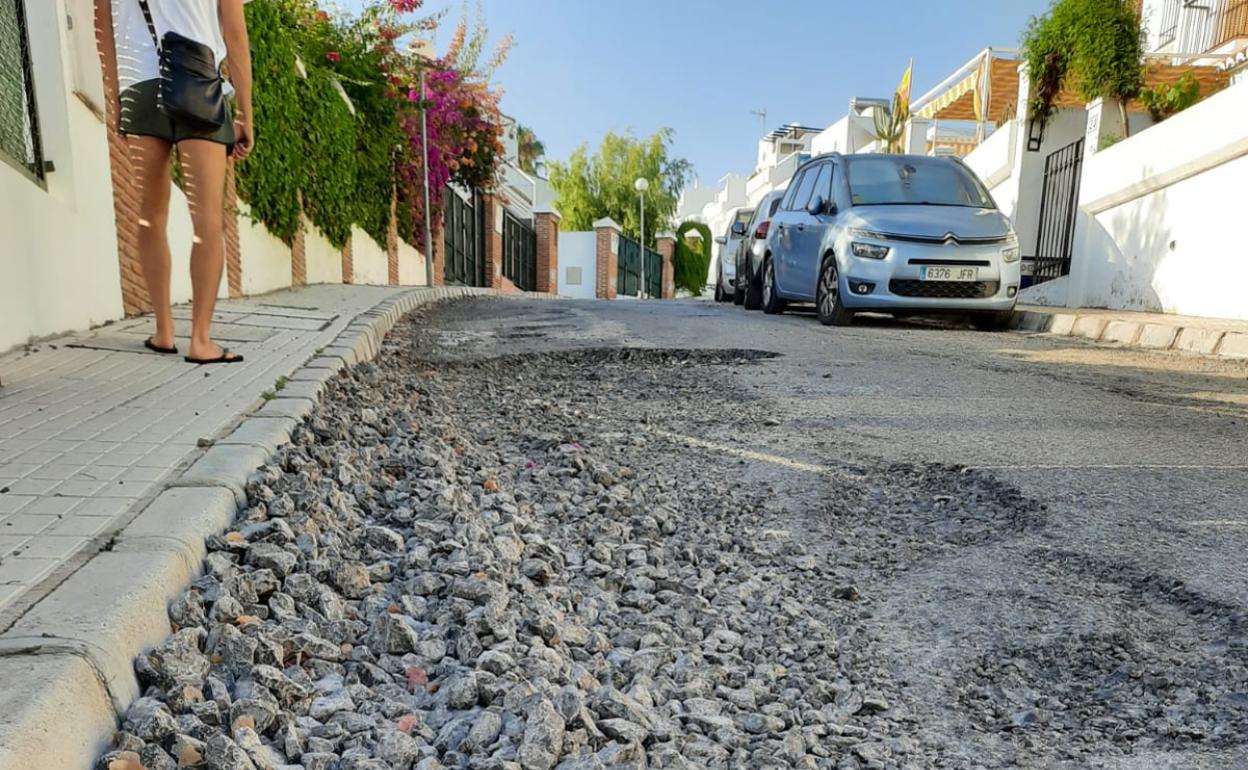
(439, 255)
(125, 199)
(666, 243)
(348, 262)
(493, 241)
(547, 226)
(392, 239)
(233, 248)
(607, 258)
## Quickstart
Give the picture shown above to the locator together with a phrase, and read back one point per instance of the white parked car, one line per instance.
(726, 269)
(900, 234)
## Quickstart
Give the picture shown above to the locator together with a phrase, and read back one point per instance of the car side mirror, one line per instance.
(721, 240)
(738, 229)
(817, 205)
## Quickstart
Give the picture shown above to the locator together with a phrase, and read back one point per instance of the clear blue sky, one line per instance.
(583, 67)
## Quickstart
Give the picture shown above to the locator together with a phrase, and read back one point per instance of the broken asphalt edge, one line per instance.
(67, 666)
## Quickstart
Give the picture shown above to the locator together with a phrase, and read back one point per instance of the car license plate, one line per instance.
(933, 273)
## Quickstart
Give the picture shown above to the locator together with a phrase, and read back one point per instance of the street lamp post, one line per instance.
(641, 185)
(424, 143)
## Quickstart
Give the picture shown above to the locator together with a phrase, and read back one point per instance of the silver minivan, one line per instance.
(901, 234)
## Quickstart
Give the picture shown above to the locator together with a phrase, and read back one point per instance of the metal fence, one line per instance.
(462, 239)
(19, 121)
(519, 252)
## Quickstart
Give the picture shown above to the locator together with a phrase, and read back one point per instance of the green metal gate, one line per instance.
(463, 236)
(519, 252)
(629, 275)
(654, 273)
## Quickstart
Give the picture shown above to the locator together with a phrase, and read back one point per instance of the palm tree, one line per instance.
(531, 151)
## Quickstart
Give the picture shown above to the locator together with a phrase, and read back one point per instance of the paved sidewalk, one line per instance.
(93, 424)
(1220, 337)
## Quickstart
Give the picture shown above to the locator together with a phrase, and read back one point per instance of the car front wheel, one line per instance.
(772, 303)
(832, 310)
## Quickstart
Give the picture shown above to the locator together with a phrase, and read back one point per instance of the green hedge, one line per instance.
(689, 266)
(309, 144)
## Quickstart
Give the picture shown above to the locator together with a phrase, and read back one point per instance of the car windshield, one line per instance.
(907, 181)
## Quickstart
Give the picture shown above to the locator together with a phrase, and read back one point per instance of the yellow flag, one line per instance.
(903, 90)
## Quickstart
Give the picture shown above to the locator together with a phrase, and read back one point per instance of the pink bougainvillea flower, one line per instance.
(405, 6)
(334, 56)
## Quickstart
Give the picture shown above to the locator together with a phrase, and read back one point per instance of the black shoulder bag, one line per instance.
(191, 87)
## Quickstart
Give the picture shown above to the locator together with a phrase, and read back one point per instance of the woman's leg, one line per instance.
(150, 158)
(203, 166)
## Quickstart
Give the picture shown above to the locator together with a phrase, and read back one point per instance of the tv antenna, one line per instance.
(761, 115)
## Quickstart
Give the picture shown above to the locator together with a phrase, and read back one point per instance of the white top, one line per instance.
(199, 20)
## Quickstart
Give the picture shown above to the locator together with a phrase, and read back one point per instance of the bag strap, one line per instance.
(151, 25)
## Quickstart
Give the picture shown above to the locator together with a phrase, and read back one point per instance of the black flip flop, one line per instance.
(152, 346)
(224, 358)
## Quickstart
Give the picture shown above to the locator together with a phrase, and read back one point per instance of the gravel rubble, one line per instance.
(514, 562)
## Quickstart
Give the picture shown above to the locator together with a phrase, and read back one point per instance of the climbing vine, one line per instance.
(1093, 47)
(690, 265)
(337, 115)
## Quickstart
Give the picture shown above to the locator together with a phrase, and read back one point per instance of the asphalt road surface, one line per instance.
(1046, 537)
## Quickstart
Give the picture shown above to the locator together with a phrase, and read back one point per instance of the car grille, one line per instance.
(944, 289)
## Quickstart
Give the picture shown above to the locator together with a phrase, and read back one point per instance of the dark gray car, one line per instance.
(751, 249)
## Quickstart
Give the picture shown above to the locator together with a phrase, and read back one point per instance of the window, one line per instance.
(19, 123)
(898, 181)
(823, 185)
(805, 186)
(792, 193)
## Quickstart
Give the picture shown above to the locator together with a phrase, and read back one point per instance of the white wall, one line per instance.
(322, 262)
(578, 251)
(265, 259)
(371, 264)
(58, 246)
(1160, 225)
(411, 266)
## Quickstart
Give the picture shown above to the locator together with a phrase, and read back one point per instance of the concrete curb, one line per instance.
(67, 666)
(1124, 331)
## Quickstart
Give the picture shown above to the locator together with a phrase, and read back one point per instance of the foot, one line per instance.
(162, 340)
(151, 344)
(211, 353)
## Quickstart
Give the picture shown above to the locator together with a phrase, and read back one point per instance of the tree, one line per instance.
(590, 187)
(530, 149)
(1092, 46)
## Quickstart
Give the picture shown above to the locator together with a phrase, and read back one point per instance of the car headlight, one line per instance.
(1011, 253)
(868, 250)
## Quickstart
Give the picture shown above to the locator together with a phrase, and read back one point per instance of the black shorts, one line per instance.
(141, 116)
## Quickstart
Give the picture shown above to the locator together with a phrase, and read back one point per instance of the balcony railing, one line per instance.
(1232, 22)
(1169, 23)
